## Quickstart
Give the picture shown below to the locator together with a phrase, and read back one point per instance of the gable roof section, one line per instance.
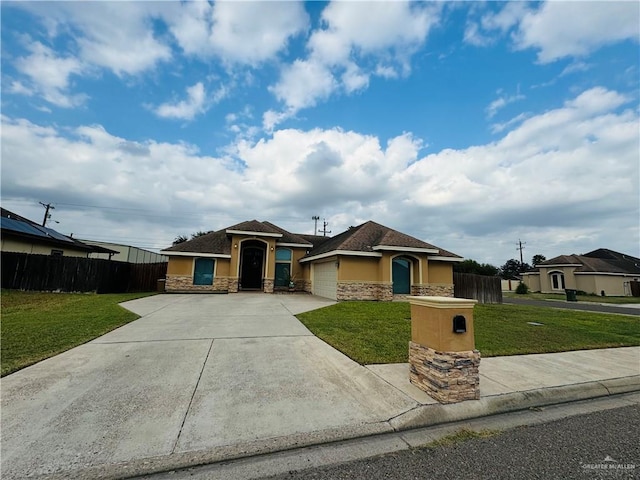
(370, 237)
(216, 243)
(254, 226)
(601, 260)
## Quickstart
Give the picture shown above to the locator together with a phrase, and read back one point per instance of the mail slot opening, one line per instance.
(459, 324)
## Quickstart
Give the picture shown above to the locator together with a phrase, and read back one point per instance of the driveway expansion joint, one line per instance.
(193, 394)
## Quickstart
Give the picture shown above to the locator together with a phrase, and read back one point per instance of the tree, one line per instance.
(471, 266)
(513, 268)
(180, 239)
(537, 259)
(183, 238)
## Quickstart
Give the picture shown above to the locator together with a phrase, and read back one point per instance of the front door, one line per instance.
(401, 276)
(251, 272)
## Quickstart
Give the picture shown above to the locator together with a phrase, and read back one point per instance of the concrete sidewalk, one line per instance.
(206, 378)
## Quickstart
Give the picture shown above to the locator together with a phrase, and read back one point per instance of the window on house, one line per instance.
(203, 271)
(283, 267)
(557, 281)
(57, 253)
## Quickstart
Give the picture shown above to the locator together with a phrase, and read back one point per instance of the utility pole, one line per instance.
(315, 219)
(324, 227)
(47, 207)
(520, 247)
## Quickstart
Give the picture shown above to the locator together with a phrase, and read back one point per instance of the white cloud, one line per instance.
(491, 26)
(303, 83)
(49, 75)
(550, 30)
(185, 109)
(557, 180)
(356, 40)
(237, 32)
(117, 36)
(502, 101)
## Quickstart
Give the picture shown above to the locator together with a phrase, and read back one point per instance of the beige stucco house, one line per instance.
(601, 272)
(21, 235)
(367, 262)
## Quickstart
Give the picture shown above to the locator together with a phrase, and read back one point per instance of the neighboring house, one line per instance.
(19, 234)
(601, 272)
(367, 262)
(126, 253)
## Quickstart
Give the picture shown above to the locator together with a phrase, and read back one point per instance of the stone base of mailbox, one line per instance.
(448, 377)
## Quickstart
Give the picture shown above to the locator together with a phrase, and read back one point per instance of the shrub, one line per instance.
(522, 289)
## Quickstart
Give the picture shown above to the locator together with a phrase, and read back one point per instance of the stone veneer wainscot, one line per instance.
(448, 377)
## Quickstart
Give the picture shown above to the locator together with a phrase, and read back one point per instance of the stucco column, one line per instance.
(443, 361)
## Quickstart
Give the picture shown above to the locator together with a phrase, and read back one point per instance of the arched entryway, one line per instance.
(401, 275)
(252, 258)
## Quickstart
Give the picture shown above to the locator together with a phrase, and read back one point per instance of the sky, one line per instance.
(469, 125)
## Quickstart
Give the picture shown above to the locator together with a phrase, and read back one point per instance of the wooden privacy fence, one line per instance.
(483, 288)
(23, 271)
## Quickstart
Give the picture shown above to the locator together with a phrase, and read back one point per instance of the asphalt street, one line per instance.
(600, 445)
(587, 307)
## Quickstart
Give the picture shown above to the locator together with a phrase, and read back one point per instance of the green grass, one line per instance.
(372, 332)
(581, 298)
(36, 325)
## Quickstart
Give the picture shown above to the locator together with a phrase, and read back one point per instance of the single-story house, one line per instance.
(367, 262)
(601, 272)
(21, 235)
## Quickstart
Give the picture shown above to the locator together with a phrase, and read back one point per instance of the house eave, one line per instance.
(445, 259)
(614, 274)
(405, 249)
(555, 265)
(169, 253)
(333, 253)
(254, 234)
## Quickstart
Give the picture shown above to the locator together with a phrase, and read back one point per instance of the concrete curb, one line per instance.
(427, 415)
(421, 416)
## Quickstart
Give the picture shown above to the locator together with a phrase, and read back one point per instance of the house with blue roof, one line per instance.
(19, 234)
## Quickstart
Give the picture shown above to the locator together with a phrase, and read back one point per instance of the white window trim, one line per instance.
(341, 252)
(300, 245)
(561, 280)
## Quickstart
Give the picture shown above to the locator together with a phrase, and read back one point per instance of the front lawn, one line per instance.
(581, 298)
(379, 332)
(36, 325)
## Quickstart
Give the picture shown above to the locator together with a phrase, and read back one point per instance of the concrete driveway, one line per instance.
(195, 373)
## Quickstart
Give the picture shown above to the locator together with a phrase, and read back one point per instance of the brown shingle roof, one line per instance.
(214, 242)
(370, 234)
(254, 226)
(360, 239)
(601, 260)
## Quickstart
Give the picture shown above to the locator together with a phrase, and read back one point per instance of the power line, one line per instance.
(520, 247)
(47, 216)
(324, 227)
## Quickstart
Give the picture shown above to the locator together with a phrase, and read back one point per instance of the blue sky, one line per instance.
(467, 124)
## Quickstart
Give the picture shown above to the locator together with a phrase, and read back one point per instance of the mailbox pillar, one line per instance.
(443, 360)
